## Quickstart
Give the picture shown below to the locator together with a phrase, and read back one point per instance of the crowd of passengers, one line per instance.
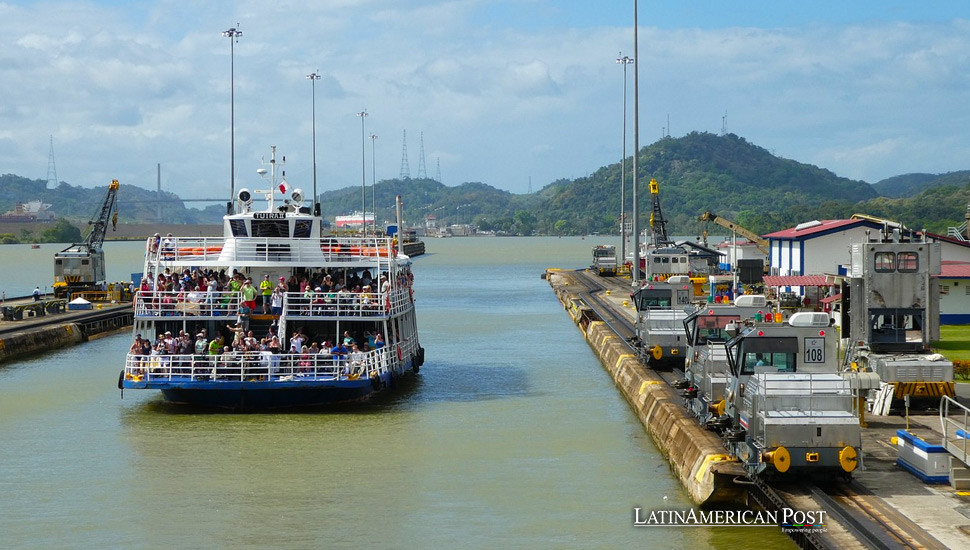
(184, 352)
(317, 290)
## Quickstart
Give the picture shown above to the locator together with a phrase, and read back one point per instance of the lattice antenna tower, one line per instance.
(51, 168)
(437, 172)
(405, 170)
(724, 129)
(422, 173)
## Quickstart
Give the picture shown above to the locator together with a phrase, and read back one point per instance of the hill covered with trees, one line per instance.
(697, 173)
(908, 185)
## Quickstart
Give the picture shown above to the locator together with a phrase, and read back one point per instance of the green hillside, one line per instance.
(699, 172)
(79, 204)
(704, 172)
(908, 185)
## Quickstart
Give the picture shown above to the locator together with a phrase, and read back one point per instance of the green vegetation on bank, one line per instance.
(61, 231)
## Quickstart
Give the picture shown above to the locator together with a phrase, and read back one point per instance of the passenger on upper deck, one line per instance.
(276, 302)
(266, 290)
(249, 294)
(168, 245)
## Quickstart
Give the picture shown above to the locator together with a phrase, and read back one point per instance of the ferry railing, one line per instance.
(224, 303)
(187, 250)
(346, 304)
(252, 366)
(955, 420)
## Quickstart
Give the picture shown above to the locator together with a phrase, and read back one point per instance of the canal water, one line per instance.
(512, 436)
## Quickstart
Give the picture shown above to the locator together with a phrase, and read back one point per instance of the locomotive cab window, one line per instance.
(885, 262)
(714, 328)
(763, 355)
(654, 300)
(907, 262)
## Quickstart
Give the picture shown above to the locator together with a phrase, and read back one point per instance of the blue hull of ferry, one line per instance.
(261, 395)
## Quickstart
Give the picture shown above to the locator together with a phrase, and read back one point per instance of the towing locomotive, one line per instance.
(788, 405)
(661, 310)
(706, 369)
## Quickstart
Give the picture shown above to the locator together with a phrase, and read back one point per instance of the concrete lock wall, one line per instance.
(696, 455)
(40, 339)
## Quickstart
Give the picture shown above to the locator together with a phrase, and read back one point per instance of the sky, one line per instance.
(512, 93)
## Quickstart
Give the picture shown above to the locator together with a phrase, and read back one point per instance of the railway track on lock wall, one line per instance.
(593, 293)
(871, 521)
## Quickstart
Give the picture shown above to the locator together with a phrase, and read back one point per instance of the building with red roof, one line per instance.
(954, 279)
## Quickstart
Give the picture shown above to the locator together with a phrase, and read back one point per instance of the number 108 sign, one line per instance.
(815, 350)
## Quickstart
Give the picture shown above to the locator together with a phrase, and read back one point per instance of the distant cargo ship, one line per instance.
(29, 212)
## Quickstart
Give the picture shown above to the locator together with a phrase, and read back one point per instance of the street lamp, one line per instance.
(313, 77)
(363, 176)
(623, 60)
(636, 150)
(458, 214)
(233, 35)
(373, 188)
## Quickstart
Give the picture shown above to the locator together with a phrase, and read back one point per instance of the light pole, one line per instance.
(458, 215)
(363, 175)
(313, 77)
(636, 151)
(233, 35)
(373, 186)
(623, 60)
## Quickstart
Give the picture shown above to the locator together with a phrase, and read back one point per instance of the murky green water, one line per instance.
(512, 436)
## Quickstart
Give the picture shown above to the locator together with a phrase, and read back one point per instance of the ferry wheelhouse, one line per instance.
(360, 292)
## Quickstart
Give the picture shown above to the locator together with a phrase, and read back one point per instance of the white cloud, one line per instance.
(122, 88)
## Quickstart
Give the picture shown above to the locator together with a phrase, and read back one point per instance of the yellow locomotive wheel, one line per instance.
(848, 458)
(780, 458)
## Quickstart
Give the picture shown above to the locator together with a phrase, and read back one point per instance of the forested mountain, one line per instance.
(135, 204)
(908, 185)
(704, 172)
(696, 173)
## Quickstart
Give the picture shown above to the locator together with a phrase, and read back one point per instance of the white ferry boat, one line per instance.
(339, 324)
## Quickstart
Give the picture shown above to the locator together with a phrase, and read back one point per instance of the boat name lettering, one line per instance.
(269, 215)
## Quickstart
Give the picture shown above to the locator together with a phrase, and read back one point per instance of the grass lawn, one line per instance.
(954, 342)
(955, 345)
